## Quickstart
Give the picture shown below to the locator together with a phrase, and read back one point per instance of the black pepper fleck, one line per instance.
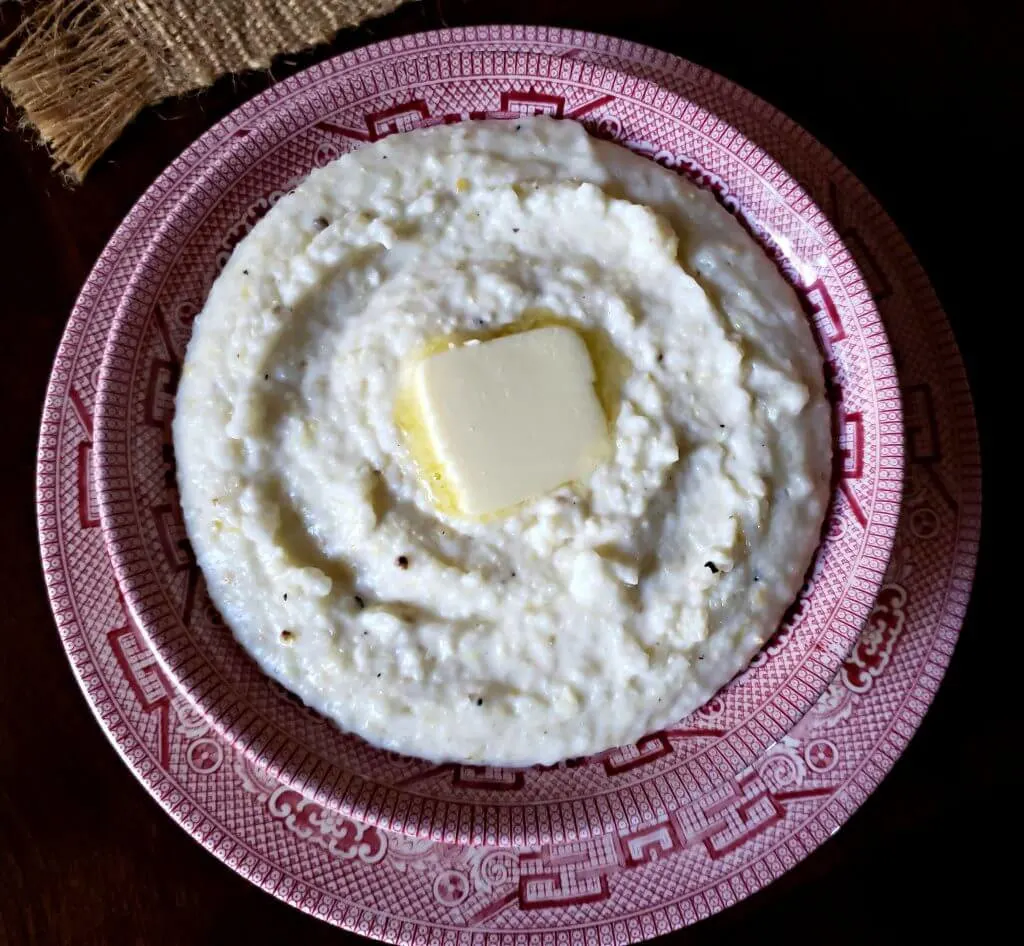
(661, 357)
(266, 377)
(722, 426)
(515, 229)
(479, 701)
(245, 272)
(378, 676)
(402, 561)
(712, 566)
(360, 603)
(518, 127)
(321, 223)
(286, 636)
(700, 656)
(285, 596)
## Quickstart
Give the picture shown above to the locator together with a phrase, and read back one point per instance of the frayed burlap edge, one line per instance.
(84, 69)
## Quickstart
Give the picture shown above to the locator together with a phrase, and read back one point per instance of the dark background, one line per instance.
(916, 98)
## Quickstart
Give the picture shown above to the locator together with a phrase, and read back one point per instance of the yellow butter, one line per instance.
(511, 418)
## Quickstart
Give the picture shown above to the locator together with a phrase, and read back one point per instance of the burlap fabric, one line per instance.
(82, 69)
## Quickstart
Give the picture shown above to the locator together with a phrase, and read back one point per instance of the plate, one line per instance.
(670, 870)
(254, 157)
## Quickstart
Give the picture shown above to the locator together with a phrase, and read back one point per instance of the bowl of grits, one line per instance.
(460, 463)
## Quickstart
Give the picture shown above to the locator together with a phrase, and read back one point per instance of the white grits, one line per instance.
(584, 619)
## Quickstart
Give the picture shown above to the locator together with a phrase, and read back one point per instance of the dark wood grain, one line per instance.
(86, 857)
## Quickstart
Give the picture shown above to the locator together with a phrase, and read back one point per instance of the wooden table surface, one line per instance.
(908, 95)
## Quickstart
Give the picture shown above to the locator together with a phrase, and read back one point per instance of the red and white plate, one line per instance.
(256, 155)
(636, 870)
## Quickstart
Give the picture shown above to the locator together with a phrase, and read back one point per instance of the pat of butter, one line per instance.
(512, 418)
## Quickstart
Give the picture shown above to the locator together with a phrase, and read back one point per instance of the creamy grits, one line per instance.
(576, 621)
